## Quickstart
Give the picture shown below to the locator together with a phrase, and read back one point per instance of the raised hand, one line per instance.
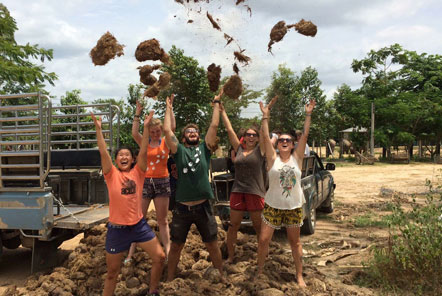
(148, 118)
(266, 109)
(97, 121)
(310, 106)
(139, 108)
(169, 101)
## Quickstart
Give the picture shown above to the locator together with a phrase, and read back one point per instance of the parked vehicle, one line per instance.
(317, 183)
(51, 185)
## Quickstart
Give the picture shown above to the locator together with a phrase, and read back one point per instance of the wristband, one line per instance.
(137, 115)
(216, 101)
(265, 118)
(308, 114)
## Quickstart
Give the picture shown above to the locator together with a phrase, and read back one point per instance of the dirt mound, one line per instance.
(233, 87)
(106, 49)
(213, 76)
(149, 50)
(146, 76)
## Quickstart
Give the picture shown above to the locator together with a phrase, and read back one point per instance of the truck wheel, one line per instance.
(309, 222)
(12, 243)
(1, 246)
(327, 206)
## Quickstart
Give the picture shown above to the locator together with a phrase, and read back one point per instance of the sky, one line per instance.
(347, 30)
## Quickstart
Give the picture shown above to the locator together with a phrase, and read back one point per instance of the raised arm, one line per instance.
(136, 124)
(269, 149)
(142, 155)
(106, 160)
(172, 119)
(234, 141)
(213, 128)
(299, 152)
(171, 140)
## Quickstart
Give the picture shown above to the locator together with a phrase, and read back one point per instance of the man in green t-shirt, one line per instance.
(193, 188)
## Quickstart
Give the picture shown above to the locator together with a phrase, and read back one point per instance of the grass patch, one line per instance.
(371, 220)
(411, 262)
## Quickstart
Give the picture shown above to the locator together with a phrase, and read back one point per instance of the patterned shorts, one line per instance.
(156, 187)
(277, 218)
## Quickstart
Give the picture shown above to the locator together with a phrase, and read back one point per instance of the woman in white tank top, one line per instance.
(284, 198)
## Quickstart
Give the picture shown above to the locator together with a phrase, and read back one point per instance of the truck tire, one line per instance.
(1, 246)
(12, 243)
(327, 206)
(309, 224)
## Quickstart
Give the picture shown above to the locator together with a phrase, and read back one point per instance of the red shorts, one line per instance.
(246, 202)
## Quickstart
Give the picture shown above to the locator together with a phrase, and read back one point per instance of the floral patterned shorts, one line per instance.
(277, 218)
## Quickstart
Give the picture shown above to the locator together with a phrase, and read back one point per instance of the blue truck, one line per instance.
(51, 185)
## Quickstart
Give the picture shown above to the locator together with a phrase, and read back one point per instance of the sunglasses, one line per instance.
(284, 140)
(191, 130)
(251, 135)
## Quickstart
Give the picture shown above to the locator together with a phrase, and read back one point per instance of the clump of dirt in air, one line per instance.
(242, 58)
(106, 49)
(149, 50)
(228, 38)
(214, 24)
(233, 87)
(239, 1)
(213, 76)
(235, 68)
(163, 81)
(165, 58)
(152, 91)
(306, 28)
(277, 33)
(146, 76)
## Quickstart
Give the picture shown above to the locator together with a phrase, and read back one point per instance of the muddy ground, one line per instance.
(332, 256)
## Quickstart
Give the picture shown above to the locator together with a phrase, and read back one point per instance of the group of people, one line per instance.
(267, 185)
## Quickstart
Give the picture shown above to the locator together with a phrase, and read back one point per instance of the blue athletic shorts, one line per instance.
(119, 237)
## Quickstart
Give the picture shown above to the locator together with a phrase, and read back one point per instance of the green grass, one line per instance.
(370, 220)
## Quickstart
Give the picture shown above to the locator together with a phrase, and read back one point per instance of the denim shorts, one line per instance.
(184, 216)
(155, 187)
(119, 237)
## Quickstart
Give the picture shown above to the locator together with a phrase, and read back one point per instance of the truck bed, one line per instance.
(85, 217)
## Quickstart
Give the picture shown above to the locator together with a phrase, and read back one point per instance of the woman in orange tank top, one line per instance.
(156, 183)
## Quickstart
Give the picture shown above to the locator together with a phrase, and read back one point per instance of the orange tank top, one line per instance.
(157, 161)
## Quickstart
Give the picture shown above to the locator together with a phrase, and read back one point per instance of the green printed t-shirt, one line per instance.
(193, 173)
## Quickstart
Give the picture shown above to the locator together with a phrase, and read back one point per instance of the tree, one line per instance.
(293, 93)
(18, 74)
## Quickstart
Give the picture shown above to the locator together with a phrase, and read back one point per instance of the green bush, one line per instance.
(411, 263)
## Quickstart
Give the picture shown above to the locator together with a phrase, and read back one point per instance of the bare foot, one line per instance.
(301, 282)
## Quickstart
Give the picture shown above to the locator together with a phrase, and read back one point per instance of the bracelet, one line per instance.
(137, 115)
(216, 101)
(265, 118)
(308, 114)
(137, 119)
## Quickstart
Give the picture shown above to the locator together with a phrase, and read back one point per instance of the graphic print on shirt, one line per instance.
(193, 161)
(287, 179)
(159, 157)
(128, 187)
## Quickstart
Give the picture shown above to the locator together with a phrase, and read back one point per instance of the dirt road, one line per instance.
(334, 253)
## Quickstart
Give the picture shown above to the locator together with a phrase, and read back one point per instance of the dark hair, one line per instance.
(190, 125)
(254, 128)
(132, 153)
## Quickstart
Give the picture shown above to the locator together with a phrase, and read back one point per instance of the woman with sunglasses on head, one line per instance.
(126, 221)
(284, 199)
(156, 183)
(249, 186)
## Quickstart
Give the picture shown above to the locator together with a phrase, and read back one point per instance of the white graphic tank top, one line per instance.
(285, 190)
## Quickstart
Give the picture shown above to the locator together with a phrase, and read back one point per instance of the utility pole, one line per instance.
(372, 130)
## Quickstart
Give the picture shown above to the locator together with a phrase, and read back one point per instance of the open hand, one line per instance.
(148, 118)
(97, 121)
(310, 106)
(266, 109)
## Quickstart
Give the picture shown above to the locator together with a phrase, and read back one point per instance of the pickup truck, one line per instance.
(317, 183)
(51, 185)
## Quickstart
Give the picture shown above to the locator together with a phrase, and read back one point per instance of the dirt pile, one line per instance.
(146, 76)
(213, 76)
(279, 30)
(306, 28)
(106, 49)
(233, 87)
(277, 33)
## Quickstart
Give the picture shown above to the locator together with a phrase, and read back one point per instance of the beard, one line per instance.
(192, 142)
